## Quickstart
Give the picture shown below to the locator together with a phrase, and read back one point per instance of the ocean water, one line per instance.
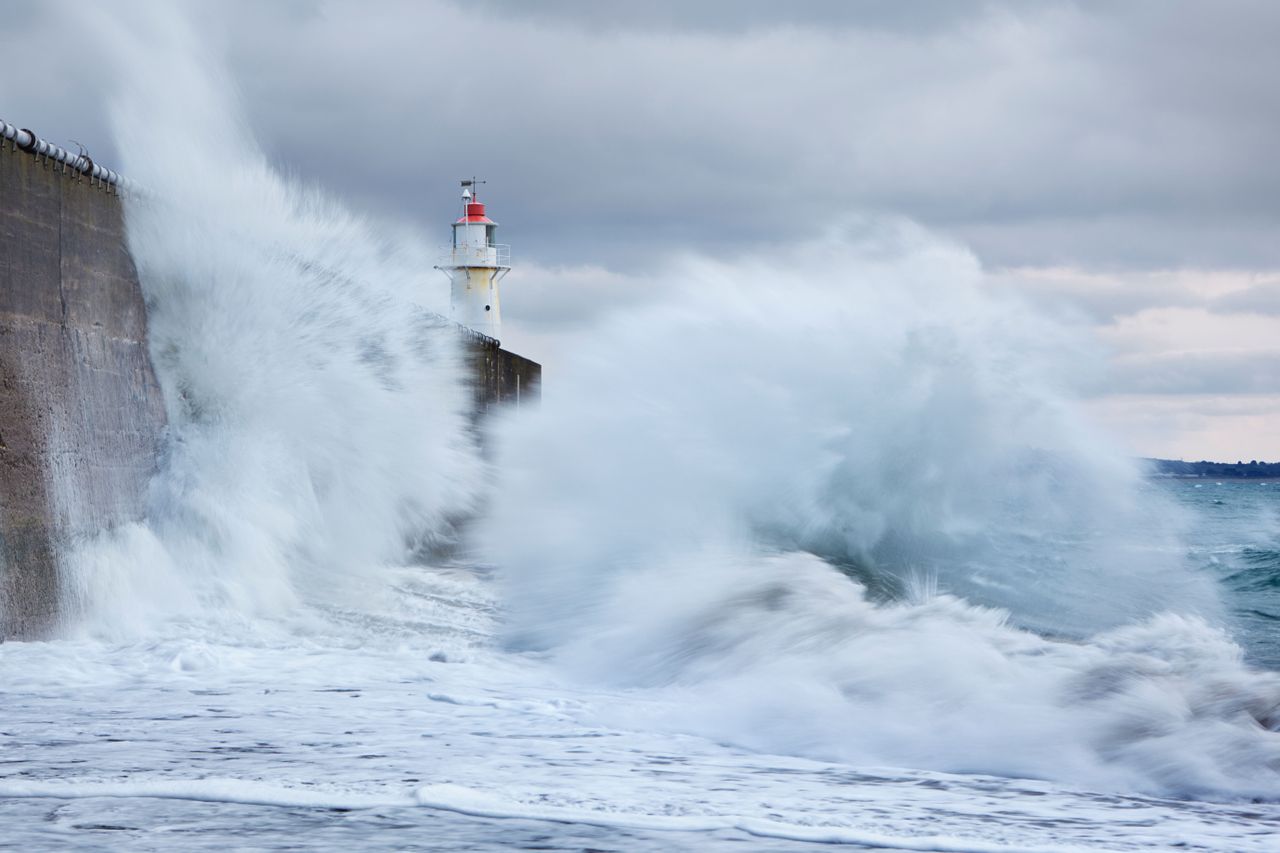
(1235, 537)
(786, 557)
(412, 725)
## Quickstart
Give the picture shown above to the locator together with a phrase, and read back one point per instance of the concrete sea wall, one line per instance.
(500, 377)
(81, 414)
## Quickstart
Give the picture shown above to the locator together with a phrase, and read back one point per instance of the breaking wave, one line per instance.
(841, 504)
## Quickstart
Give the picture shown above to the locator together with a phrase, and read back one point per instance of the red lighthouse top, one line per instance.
(475, 213)
(473, 208)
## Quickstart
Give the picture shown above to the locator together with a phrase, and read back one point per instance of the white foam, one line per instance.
(467, 801)
(210, 790)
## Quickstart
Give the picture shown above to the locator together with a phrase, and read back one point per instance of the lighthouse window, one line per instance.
(488, 234)
(486, 307)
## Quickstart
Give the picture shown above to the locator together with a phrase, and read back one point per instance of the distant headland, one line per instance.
(1252, 469)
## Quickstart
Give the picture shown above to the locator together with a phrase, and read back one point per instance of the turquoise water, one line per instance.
(1235, 536)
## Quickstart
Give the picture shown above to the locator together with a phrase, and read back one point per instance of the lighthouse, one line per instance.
(475, 264)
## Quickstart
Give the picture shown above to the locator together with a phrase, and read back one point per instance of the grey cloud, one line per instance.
(1064, 136)
(1258, 299)
(739, 15)
(56, 81)
(1106, 298)
(1101, 300)
(1117, 241)
(1218, 373)
(1101, 135)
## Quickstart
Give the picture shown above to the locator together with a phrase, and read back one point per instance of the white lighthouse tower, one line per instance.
(475, 264)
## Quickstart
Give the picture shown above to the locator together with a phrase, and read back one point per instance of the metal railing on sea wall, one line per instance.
(26, 140)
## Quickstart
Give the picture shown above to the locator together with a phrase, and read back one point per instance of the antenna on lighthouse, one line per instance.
(475, 264)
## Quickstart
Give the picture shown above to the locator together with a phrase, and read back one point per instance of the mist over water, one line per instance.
(836, 503)
(821, 497)
(861, 399)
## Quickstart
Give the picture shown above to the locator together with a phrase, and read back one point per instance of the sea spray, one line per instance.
(317, 404)
(818, 501)
(861, 398)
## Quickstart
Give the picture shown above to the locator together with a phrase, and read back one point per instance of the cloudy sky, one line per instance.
(1116, 162)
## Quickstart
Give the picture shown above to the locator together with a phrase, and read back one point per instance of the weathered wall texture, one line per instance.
(501, 377)
(81, 415)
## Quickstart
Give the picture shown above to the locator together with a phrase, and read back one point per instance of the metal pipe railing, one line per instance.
(27, 140)
(492, 254)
